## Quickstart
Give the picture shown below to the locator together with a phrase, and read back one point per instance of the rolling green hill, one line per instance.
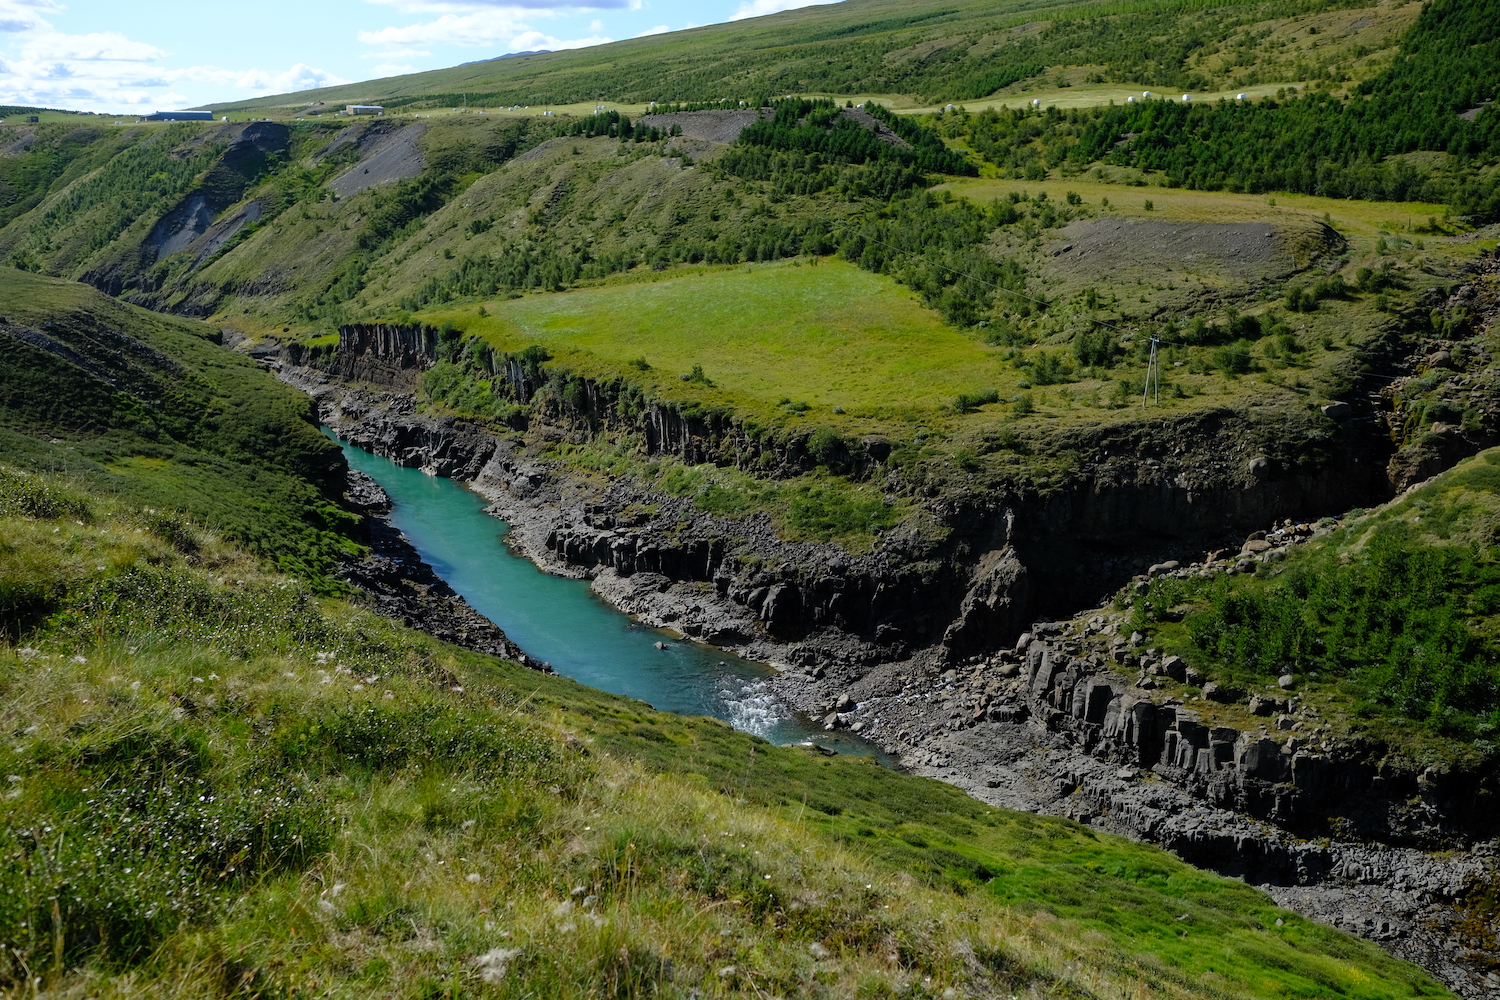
(219, 784)
(930, 51)
(153, 410)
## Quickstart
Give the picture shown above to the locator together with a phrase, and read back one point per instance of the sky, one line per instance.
(164, 55)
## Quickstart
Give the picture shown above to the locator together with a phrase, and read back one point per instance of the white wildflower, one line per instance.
(494, 963)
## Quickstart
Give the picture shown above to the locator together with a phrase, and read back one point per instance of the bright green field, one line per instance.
(830, 334)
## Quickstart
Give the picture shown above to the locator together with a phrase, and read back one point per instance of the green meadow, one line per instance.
(822, 331)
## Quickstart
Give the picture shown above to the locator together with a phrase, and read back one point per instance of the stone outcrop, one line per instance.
(1257, 790)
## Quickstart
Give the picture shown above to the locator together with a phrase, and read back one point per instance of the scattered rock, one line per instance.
(1286, 682)
(1337, 411)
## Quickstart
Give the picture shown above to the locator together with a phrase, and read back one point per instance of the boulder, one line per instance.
(1286, 682)
(1337, 411)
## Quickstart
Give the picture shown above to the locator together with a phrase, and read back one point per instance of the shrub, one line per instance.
(968, 402)
(1233, 359)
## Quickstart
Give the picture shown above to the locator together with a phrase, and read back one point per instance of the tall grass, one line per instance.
(220, 784)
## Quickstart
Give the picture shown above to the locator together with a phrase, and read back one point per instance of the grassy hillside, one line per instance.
(151, 408)
(927, 51)
(220, 783)
(1388, 624)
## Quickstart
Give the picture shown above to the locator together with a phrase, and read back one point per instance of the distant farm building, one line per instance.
(363, 109)
(179, 116)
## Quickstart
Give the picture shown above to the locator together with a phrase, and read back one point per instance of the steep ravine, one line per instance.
(880, 631)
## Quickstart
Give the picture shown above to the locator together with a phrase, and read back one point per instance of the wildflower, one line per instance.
(494, 963)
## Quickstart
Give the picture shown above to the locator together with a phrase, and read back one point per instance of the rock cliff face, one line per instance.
(965, 572)
(1256, 791)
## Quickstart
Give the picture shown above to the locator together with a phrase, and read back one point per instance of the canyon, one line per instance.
(956, 642)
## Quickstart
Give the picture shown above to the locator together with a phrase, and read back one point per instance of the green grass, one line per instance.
(152, 408)
(222, 783)
(1388, 623)
(825, 332)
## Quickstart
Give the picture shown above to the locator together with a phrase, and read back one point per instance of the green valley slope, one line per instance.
(220, 784)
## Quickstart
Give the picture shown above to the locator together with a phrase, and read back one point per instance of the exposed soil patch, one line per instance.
(185, 224)
(1106, 248)
(387, 154)
(715, 126)
(18, 142)
(882, 131)
(1473, 113)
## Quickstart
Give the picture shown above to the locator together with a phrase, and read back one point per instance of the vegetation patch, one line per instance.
(218, 777)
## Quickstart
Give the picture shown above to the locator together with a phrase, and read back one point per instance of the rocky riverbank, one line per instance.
(1053, 725)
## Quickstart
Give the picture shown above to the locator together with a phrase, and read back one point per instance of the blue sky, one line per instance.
(108, 55)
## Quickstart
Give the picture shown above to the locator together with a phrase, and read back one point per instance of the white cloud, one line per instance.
(95, 47)
(397, 54)
(478, 29)
(475, 29)
(109, 72)
(660, 29)
(473, 6)
(22, 15)
(386, 69)
(530, 41)
(299, 77)
(760, 8)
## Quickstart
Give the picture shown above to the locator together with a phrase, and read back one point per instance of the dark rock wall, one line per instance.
(1292, 781)
(968, 570)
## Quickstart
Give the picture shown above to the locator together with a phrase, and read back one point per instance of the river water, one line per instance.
(564, 623)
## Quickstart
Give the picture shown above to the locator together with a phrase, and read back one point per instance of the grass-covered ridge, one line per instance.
(1389, 624)
(220, 782)
(931, 51)
(153, 409)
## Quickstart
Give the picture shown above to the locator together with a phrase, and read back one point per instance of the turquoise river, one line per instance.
(564, 623)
